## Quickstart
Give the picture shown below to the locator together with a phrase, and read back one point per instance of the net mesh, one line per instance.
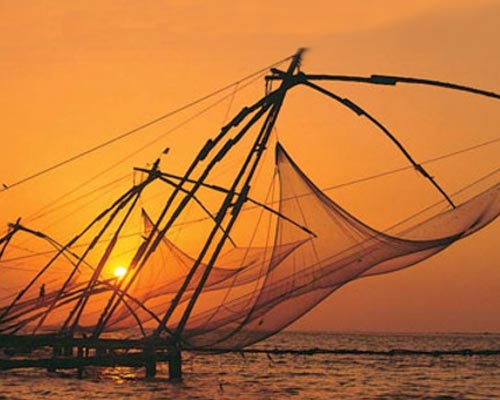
(252, 291)
(343, 249)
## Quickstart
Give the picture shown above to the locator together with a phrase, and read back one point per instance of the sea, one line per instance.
(331, 366)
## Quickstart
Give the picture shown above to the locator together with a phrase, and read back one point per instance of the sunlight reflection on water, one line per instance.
(321, 376)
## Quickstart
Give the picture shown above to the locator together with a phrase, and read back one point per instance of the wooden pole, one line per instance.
(174, 363)
(155, 237)
(150, 361)
(80, 369)
(248, 168)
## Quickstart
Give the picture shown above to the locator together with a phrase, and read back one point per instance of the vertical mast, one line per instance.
(156, 235)
(249, 166)
(256, 111)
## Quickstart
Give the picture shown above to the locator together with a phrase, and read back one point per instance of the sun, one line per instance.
(120, 272)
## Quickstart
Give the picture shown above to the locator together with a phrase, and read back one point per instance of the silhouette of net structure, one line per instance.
(343, 249)
(223, 292)
(251, 292)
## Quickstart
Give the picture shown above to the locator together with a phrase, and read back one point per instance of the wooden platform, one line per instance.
(59, 352)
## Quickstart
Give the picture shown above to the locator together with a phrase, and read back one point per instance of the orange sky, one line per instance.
(75, 74)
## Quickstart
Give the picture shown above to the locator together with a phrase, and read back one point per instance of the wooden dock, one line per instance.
(77, 353)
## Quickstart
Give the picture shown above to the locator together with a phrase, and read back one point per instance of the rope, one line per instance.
(36, 215)
(428, 161)
(137, 129)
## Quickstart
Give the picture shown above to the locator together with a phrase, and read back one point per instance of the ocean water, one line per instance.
(383, 375)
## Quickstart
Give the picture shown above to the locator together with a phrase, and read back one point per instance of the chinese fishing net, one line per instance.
(251, 292)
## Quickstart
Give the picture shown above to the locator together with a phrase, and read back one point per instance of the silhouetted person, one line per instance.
(41, 294)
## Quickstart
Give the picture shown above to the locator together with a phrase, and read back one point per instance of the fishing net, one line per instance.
(251, 292)
(166, 270)
(343, 249)
(242, 270)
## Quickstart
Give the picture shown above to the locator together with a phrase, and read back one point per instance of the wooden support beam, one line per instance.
(150, 361)
(136, 359)
(174, 363)
(80, 369)
(35, 341)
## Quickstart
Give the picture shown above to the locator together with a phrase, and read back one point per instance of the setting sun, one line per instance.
(120, 272)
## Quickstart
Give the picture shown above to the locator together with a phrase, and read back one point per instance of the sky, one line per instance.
(75, 74)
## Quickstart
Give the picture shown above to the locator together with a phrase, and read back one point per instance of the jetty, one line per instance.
(27, 351)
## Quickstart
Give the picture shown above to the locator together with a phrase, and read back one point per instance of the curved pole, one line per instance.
(243, 178)
(359, 111)
(388, 80)
(5, 240)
